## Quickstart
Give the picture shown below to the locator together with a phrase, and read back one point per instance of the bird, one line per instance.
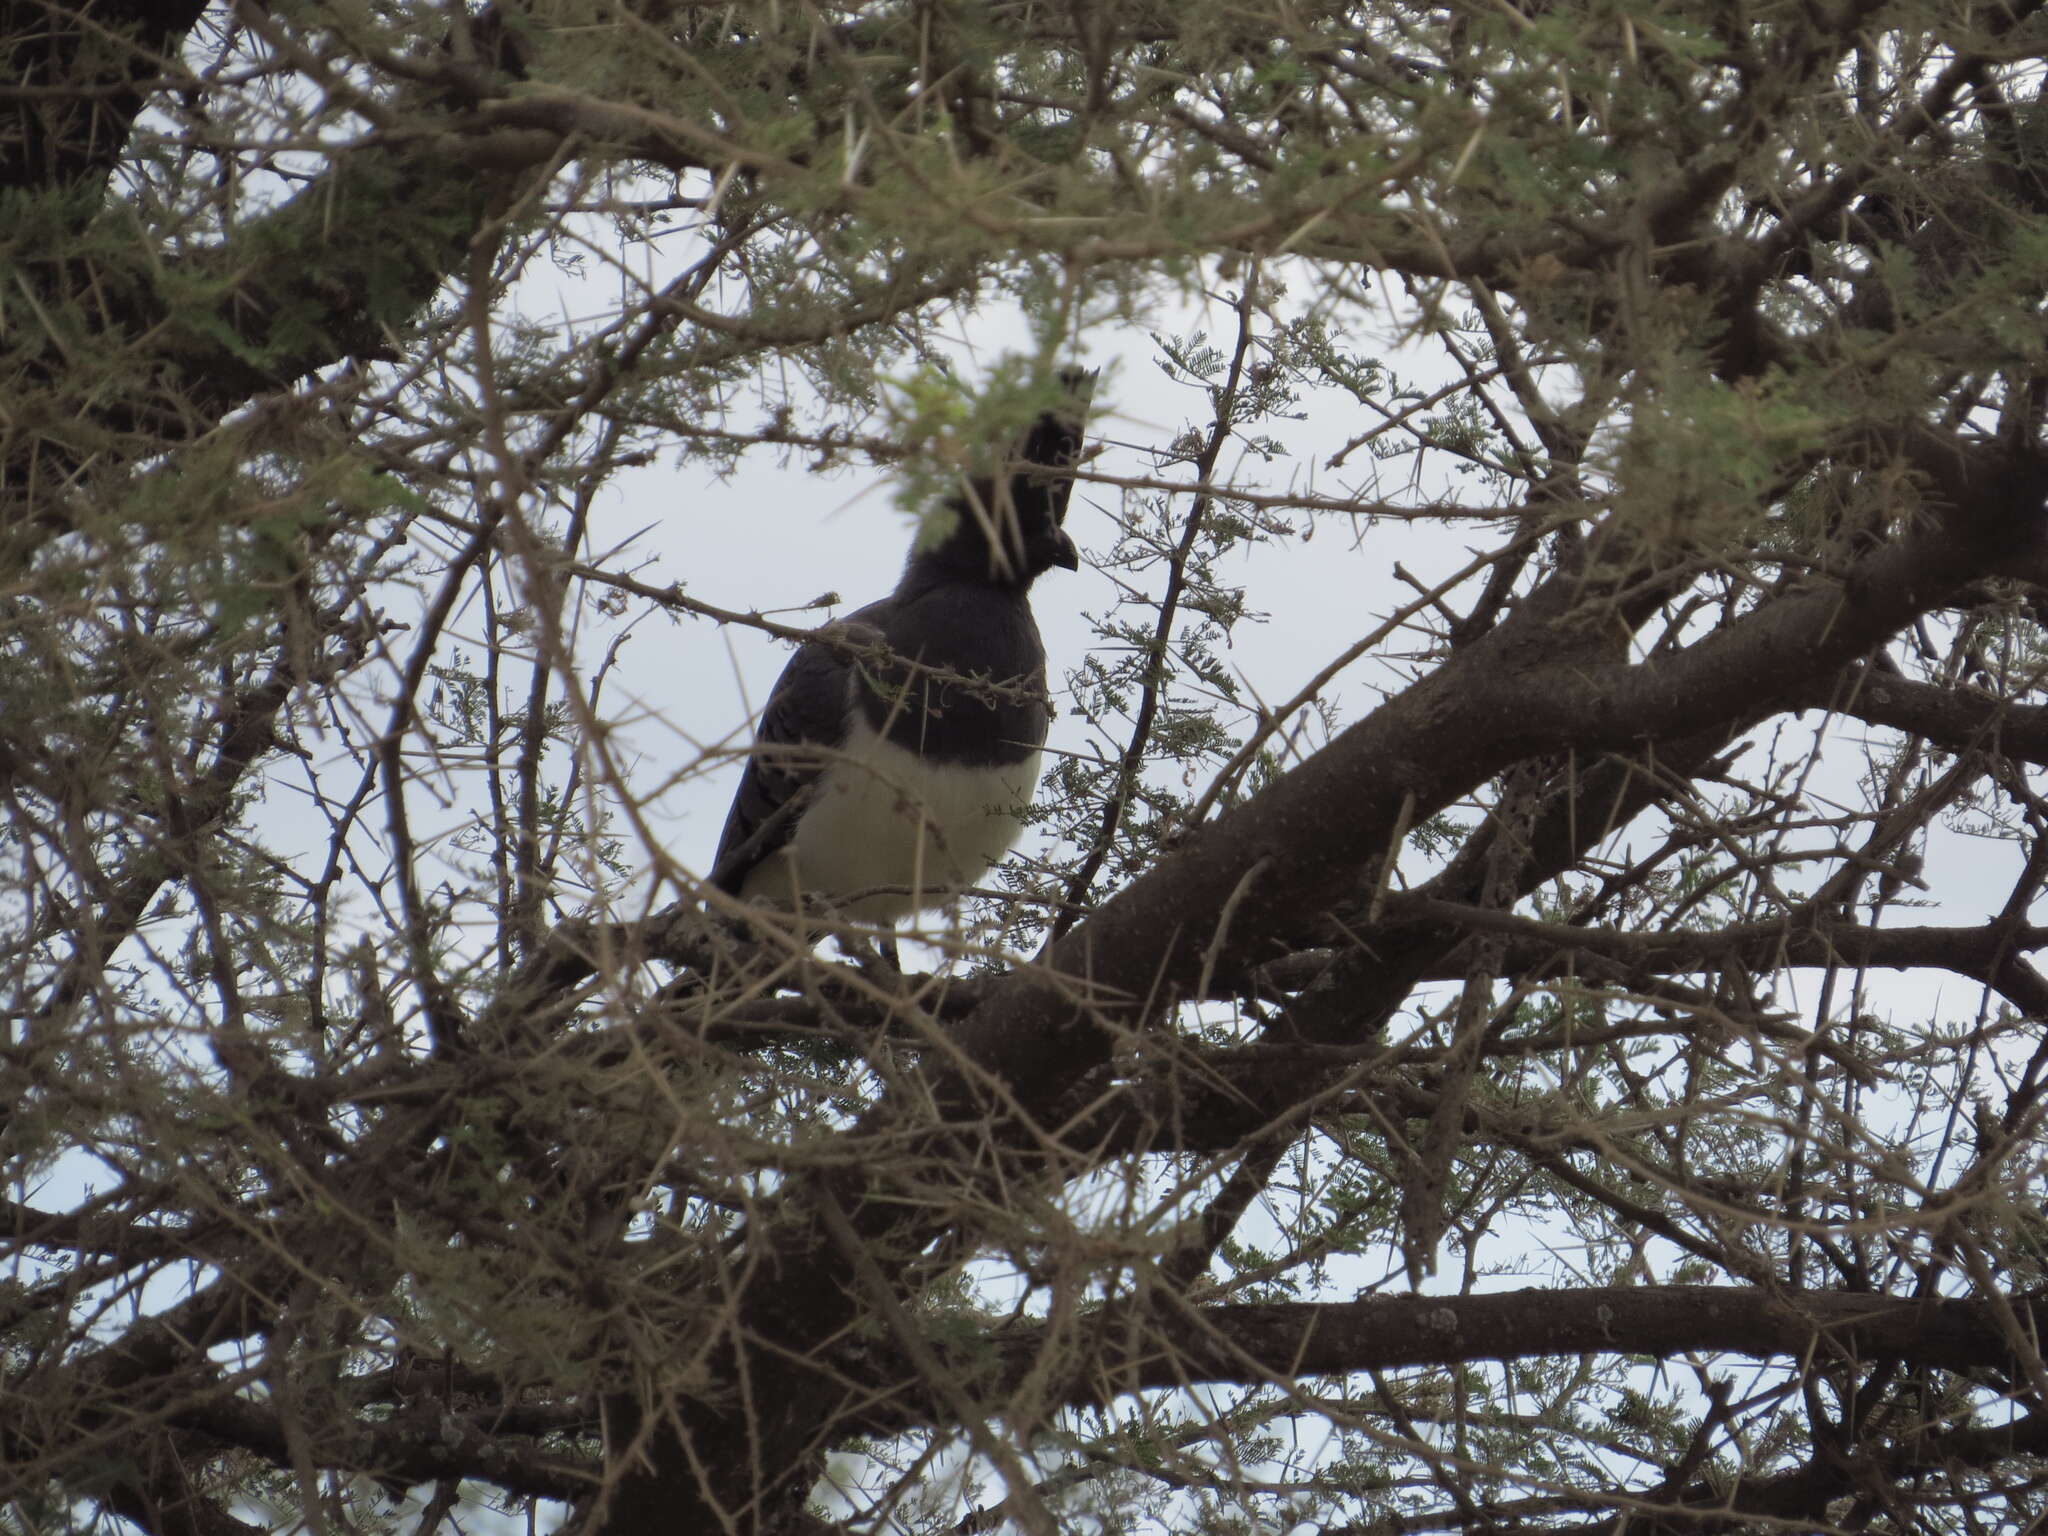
(897, 750)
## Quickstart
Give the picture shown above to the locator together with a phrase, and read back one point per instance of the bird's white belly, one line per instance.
(883, 816)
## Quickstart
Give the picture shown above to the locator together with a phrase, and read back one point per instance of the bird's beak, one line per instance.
(1064, 554)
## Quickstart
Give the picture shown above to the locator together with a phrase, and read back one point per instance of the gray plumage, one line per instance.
(869, 770)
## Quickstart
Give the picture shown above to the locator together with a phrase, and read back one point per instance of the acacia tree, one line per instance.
(383, 1173)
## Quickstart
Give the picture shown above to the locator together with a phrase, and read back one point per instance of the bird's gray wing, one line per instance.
(805, 722)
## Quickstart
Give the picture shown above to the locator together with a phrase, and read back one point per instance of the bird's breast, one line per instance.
(884, 815)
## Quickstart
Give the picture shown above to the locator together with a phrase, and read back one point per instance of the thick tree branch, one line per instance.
(1123, 1347)
(1959, 719)
(77, 73)
(1136, 1346)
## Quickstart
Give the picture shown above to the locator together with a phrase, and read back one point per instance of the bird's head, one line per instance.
(1009, 529)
